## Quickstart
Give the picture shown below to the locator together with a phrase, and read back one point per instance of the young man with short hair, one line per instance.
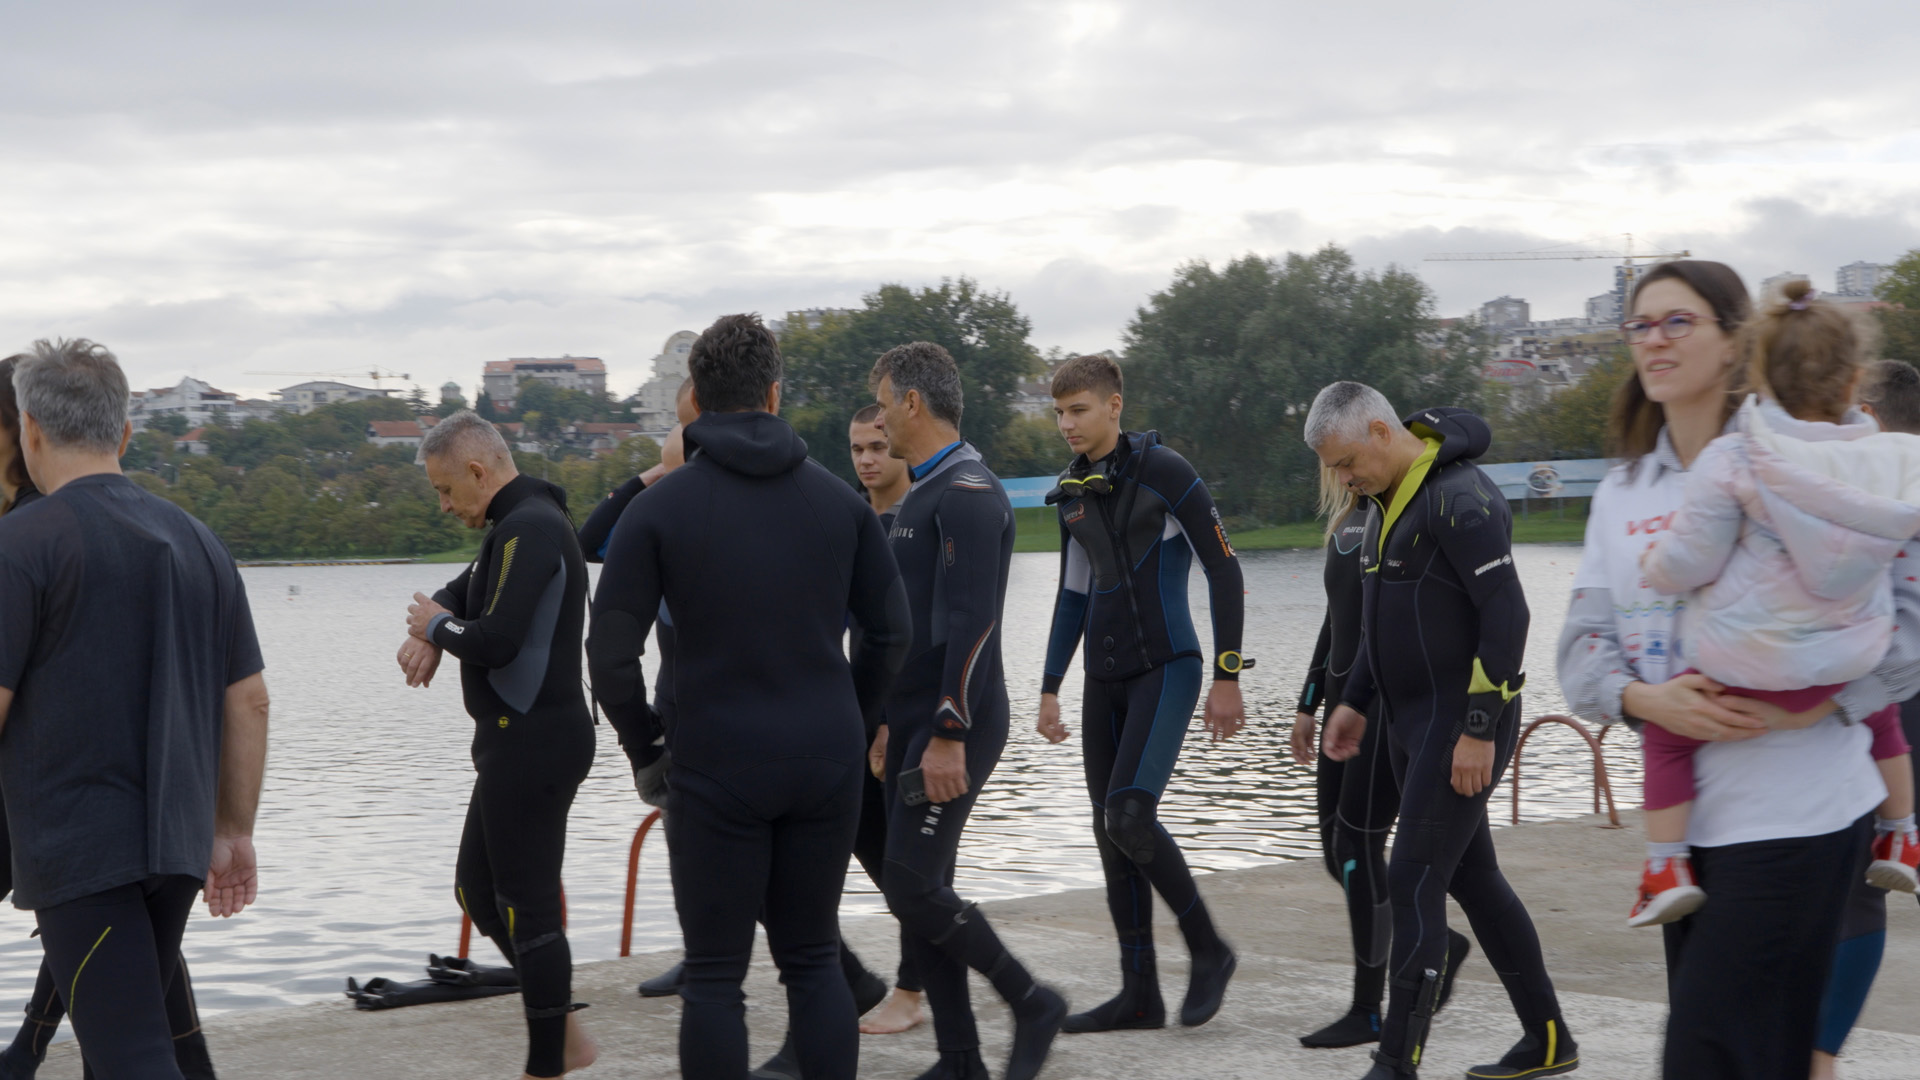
(1442, 642)
(1133, 515)
(947, 714)
(882, 476)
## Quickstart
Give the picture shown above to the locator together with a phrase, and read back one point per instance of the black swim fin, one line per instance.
(387, 994)
(460, 971)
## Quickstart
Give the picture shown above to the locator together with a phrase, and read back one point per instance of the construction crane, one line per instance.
(377, 375)
(1628, 258)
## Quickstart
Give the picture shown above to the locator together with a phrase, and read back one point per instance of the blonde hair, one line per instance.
(1804, 353)
(1337, 500)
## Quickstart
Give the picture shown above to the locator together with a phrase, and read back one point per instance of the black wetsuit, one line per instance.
(870, 851)
(953, 538)
(1357, 798)
(1124, 561)
(760, 554)
(518, 613)
(1443, 617)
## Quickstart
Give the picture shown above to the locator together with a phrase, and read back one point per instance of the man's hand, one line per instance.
(1472, 765)
(1303, 725)
(421, 613)
(1345, 728)
(1775, 717)
(233, 878)
(418, 661)
(877, 754)
(943, 765)
(1690, 705)
(1050, 726)
(1225, 715)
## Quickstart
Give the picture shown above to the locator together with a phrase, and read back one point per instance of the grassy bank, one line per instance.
(1040, 531)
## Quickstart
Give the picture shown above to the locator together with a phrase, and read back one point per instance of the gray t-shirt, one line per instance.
(122, 623)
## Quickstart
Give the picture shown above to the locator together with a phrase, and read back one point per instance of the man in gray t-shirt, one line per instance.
(132, 713)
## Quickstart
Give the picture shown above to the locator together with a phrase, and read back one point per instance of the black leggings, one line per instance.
(1358, 800)
(947, 935)
(113, 955)
(45, 1010)
(1444, 847)
(1131, 732)
(770, 842)
(870, 848)
(508, 881)
(1746, 973)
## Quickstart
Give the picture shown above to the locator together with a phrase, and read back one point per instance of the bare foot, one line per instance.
(902, 1012)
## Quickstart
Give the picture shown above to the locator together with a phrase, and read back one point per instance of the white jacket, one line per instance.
(1787, 532)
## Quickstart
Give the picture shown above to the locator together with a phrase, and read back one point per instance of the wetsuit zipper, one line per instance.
(1118, 536)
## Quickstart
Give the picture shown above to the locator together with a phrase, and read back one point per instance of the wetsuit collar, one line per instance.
(1416, 475)
(520, 489)
(916, 472)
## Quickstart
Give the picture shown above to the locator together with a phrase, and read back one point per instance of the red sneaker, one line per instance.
(1667, 894)
(1896, 862)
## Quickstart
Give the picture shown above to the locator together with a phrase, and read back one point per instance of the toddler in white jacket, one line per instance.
(1788, 532)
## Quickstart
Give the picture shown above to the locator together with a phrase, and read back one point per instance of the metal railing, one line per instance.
(1602, 786)
(626, 917)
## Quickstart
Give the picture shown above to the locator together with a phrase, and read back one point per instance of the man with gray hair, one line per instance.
(947, 717)
(1443, 636)
(117, 606)
(515, 619)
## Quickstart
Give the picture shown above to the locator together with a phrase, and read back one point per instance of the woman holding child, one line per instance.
(1761, 777)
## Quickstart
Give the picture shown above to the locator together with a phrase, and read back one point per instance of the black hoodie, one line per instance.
(760, 554)
(1442, 611)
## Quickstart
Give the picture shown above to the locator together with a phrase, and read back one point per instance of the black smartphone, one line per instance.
(913, 787)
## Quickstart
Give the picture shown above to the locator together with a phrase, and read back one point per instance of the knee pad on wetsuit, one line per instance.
(528, 930)
(1132, 825)
(478, 905)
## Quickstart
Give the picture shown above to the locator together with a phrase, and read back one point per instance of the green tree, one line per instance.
(173, 424)
(1900, 324)
(827, 366)
(451, 405)
(1226, 362)
(483, 405)
(1030, 446)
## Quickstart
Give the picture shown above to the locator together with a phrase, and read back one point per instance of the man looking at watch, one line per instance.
(1443, 637)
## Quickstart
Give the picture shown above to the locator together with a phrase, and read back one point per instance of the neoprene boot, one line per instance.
(784, 1065)
(1036, 1022)
(665, 984)
(21, 1059)
(958, 1065)
(1213, 967)
(1360, 1026)
(1138, 1005)
(1547, 1049)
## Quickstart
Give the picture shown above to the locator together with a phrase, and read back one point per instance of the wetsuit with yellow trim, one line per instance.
(1443, 639)
(516, 623)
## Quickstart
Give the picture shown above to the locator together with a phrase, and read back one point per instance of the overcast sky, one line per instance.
(228, 188)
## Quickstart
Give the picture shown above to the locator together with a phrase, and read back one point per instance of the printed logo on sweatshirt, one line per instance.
(1651, 525)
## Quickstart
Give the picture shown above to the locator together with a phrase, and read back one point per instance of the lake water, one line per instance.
(367, 784)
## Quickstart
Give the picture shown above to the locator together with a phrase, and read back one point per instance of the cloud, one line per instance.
(226, 187)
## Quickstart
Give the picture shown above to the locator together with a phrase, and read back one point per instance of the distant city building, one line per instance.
(305, 397)
(811, 318)
(396, 432)
(1604, 308)
(1504, 312)
(653, 405)
(193, 442)
(450, 391)
(197, 401)
(1860, 278)
(501, 379)
(1771, 287)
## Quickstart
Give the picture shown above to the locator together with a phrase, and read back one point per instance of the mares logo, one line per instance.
(1079, 511)
(1652, 524)
(1220, 534)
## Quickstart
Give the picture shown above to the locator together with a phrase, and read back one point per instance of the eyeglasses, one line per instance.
(1076, 486)
(1673, 327)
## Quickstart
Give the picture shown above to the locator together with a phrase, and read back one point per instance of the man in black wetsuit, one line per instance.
(947, 716)
(760, 554)
(1133, 516)
(1443, 637)
(514, 619)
